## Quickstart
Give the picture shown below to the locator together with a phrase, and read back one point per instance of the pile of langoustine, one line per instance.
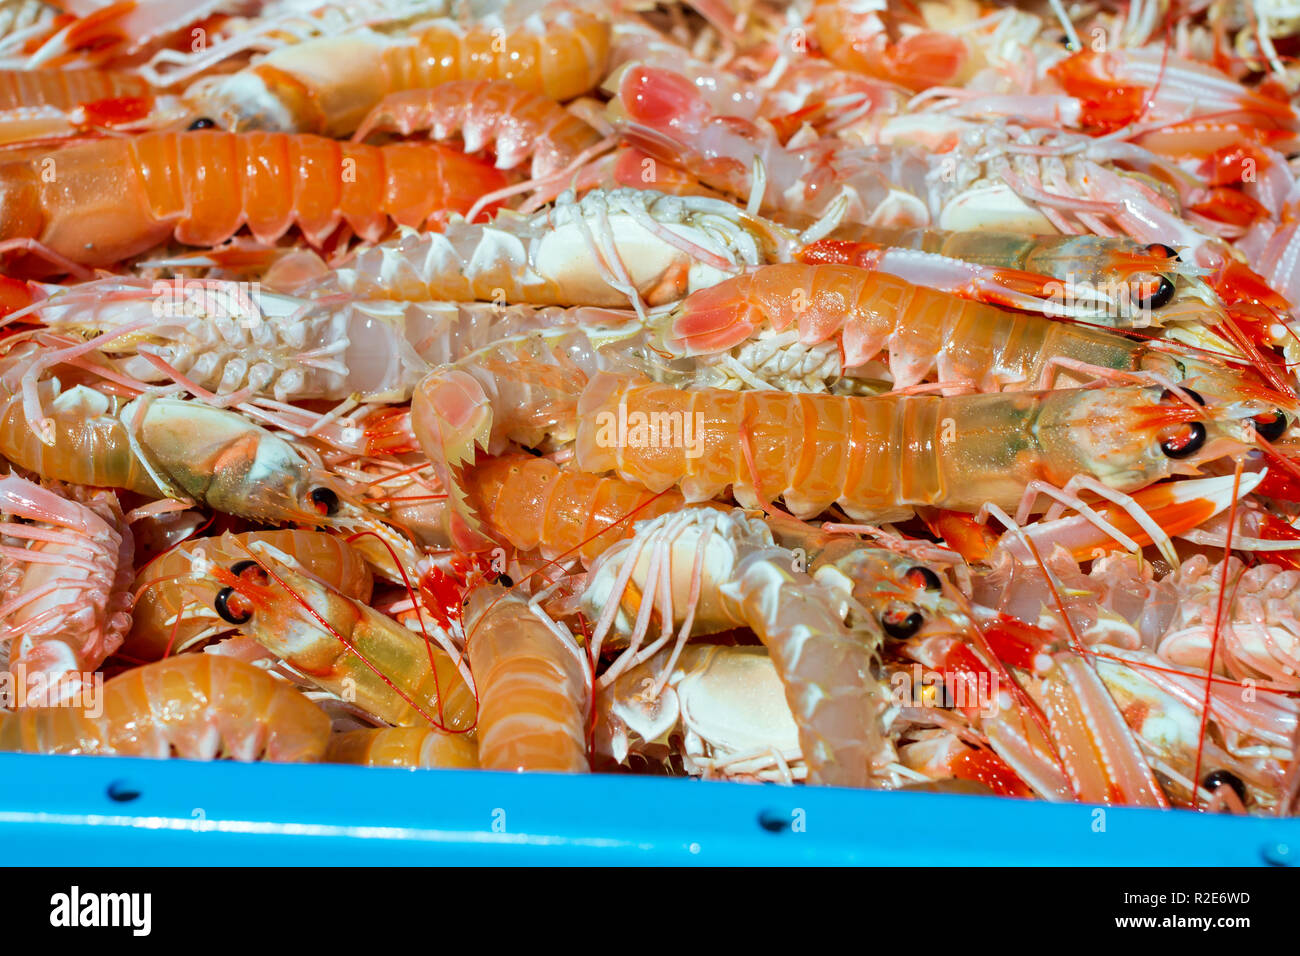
(860, 394)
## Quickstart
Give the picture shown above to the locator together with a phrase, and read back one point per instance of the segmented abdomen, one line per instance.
(825, 668)
(871, 455)
(533, 691)
(403, 747)
(199, 706)
(88, 449)
(211, 183)
(925, 334)
(515, 123)
(879, 455)
(534, 504)
(563, 61)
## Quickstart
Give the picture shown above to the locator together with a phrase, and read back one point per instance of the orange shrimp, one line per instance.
(196, 706)
(403, 747)
(328, 85)
(927, 334)
(345, 646)
(534, 693)
(489, 114)
(880, 457)
(99, 202)
(1122, 279)
(174, 597)
(534, 504)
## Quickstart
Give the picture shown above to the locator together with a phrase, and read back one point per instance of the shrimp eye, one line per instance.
(1219, 778)
(1270, 425)
(240, 569)
(1188, 441)
(202, 123)
(230, 604)
(1161, 297)
(922, 577)
(901, 621)
(231, 607)
(1164, 290)
(325, 500)
(1168, 396)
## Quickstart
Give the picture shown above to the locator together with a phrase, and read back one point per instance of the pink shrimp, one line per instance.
(64, 596)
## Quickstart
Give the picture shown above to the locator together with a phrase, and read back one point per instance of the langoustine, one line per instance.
(520, 479)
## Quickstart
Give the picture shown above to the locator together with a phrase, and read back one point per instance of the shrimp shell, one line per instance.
(410, 747)
(882, 455)
(99, 202)
(226, 338)
(164, 448)
(513, 122)
(196, 706)
(740, 578)
(599, 250)
(535, 504)
(534, 693)
(328, 85)
(44, 104)
(70, 605)
(925, 334)
(352, 650)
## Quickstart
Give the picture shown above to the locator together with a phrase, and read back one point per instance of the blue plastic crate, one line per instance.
(116, 811)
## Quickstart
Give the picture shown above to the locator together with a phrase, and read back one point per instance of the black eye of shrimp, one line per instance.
(229, 603)
(1270, 425)
(1213, 781)
(922, 577)
(1164, 291)
(901, 621)
(1188, 441)
(202, 123)
(231, 607)
(1161, 297)
(325, 501)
